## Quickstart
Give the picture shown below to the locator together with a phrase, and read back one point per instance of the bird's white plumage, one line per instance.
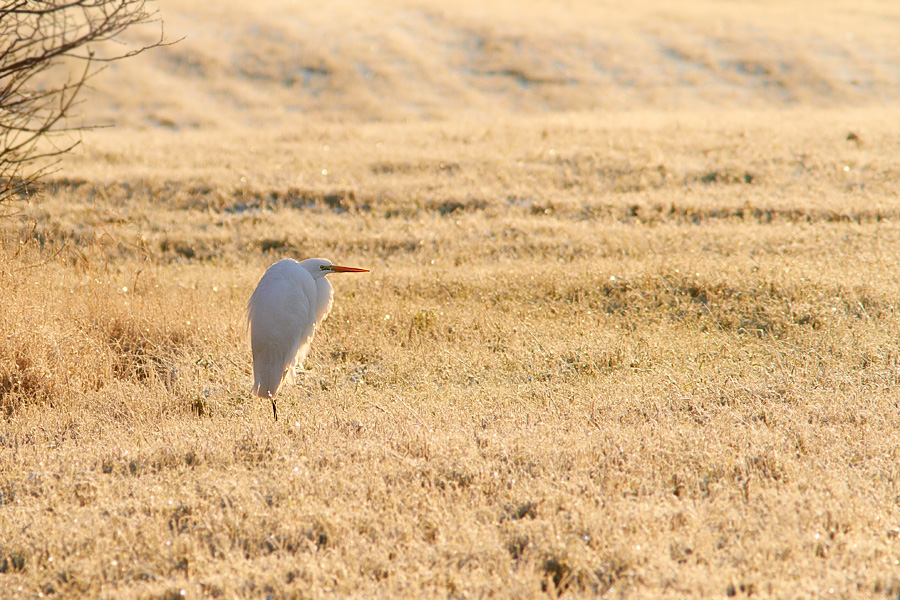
(289, 302)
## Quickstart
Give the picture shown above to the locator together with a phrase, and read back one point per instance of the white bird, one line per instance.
(289, 302)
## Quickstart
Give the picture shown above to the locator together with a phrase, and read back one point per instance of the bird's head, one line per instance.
(320, 267)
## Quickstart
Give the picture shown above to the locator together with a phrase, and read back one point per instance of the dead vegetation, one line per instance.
(519, 401)
(623, 355)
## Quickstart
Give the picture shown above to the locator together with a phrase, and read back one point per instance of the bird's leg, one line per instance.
(274, 412)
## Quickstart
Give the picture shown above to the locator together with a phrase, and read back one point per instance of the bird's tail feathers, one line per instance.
(267, 380)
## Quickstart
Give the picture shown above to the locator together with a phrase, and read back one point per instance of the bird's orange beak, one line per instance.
(340, 269)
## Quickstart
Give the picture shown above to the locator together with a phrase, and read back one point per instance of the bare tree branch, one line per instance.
(36, 36)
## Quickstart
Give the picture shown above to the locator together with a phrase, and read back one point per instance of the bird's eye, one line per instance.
(323, 267)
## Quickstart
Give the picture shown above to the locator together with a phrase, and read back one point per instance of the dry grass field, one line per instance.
(631, 327)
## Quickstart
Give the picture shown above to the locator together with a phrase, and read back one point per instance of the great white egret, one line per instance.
(289, 302)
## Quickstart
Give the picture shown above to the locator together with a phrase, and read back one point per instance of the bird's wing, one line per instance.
(279, 313)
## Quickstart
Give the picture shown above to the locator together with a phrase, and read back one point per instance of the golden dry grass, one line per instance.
(632, 353)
